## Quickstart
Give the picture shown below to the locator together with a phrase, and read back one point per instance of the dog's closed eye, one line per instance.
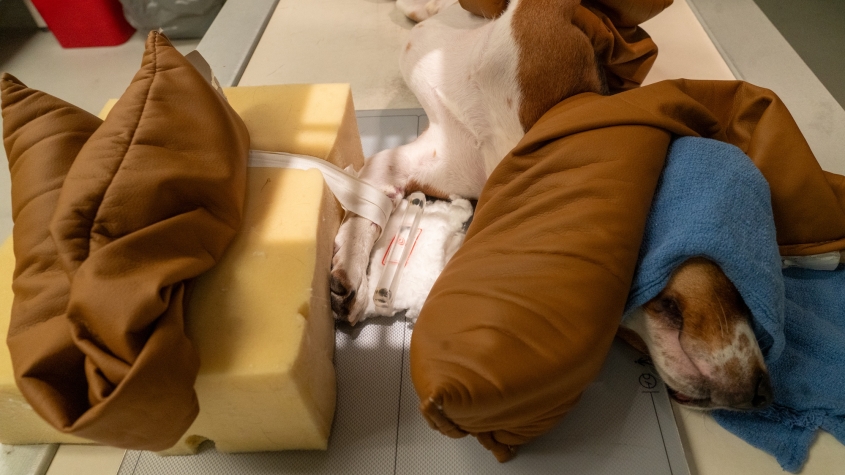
(699, 332)
(669, 309)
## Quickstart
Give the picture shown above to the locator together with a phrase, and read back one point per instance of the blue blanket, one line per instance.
(712, 201)
(808, 378)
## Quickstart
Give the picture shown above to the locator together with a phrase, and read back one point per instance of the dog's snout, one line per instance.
(755, 393)
(763, 392)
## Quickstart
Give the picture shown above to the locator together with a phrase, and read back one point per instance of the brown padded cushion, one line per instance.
(112, 219)
(521, 319)
(624, 50)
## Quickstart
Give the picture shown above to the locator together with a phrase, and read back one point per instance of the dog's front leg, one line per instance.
(389, 171)
(352, 246)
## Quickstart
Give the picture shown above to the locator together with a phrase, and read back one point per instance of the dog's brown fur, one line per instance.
(556, 59)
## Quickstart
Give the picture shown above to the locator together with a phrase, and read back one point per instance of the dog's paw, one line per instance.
(348, 296)
(348, 280)
(419, 10)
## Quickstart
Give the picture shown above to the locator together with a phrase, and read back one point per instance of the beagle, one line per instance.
(483, 83)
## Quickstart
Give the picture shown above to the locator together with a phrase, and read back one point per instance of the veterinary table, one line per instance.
(358, 41)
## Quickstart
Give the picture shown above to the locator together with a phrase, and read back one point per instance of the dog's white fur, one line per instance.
(463, 69)
(694, 374)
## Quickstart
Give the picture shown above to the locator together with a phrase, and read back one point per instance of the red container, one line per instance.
(81, 23)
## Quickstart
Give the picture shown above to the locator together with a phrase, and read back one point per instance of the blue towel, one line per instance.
(808, 378)
(712, 201)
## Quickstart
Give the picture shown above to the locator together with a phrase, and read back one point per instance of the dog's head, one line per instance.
(698, 333)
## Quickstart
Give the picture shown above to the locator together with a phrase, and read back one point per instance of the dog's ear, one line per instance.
(624, 51)
(632, 338)
(485, 8)
(556, 60)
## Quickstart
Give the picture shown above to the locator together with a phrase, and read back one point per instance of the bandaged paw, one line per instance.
(440, 234)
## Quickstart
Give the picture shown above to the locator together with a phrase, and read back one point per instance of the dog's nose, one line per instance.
(763, 392)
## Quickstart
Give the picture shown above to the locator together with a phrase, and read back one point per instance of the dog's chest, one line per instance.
(464, 71)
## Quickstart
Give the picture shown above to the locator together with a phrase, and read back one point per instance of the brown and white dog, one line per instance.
(483, 83)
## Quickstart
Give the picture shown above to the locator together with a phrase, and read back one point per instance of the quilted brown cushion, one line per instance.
(521, 319)
(112, 220)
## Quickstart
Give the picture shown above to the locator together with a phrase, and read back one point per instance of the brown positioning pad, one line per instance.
(521, 319)
(112, 220)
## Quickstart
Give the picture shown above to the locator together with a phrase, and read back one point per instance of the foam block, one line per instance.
(262, 323)
(260, 319)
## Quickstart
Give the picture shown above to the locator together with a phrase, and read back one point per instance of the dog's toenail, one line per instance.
(337, 287)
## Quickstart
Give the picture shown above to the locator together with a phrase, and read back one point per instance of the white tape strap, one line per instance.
(354, 194)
